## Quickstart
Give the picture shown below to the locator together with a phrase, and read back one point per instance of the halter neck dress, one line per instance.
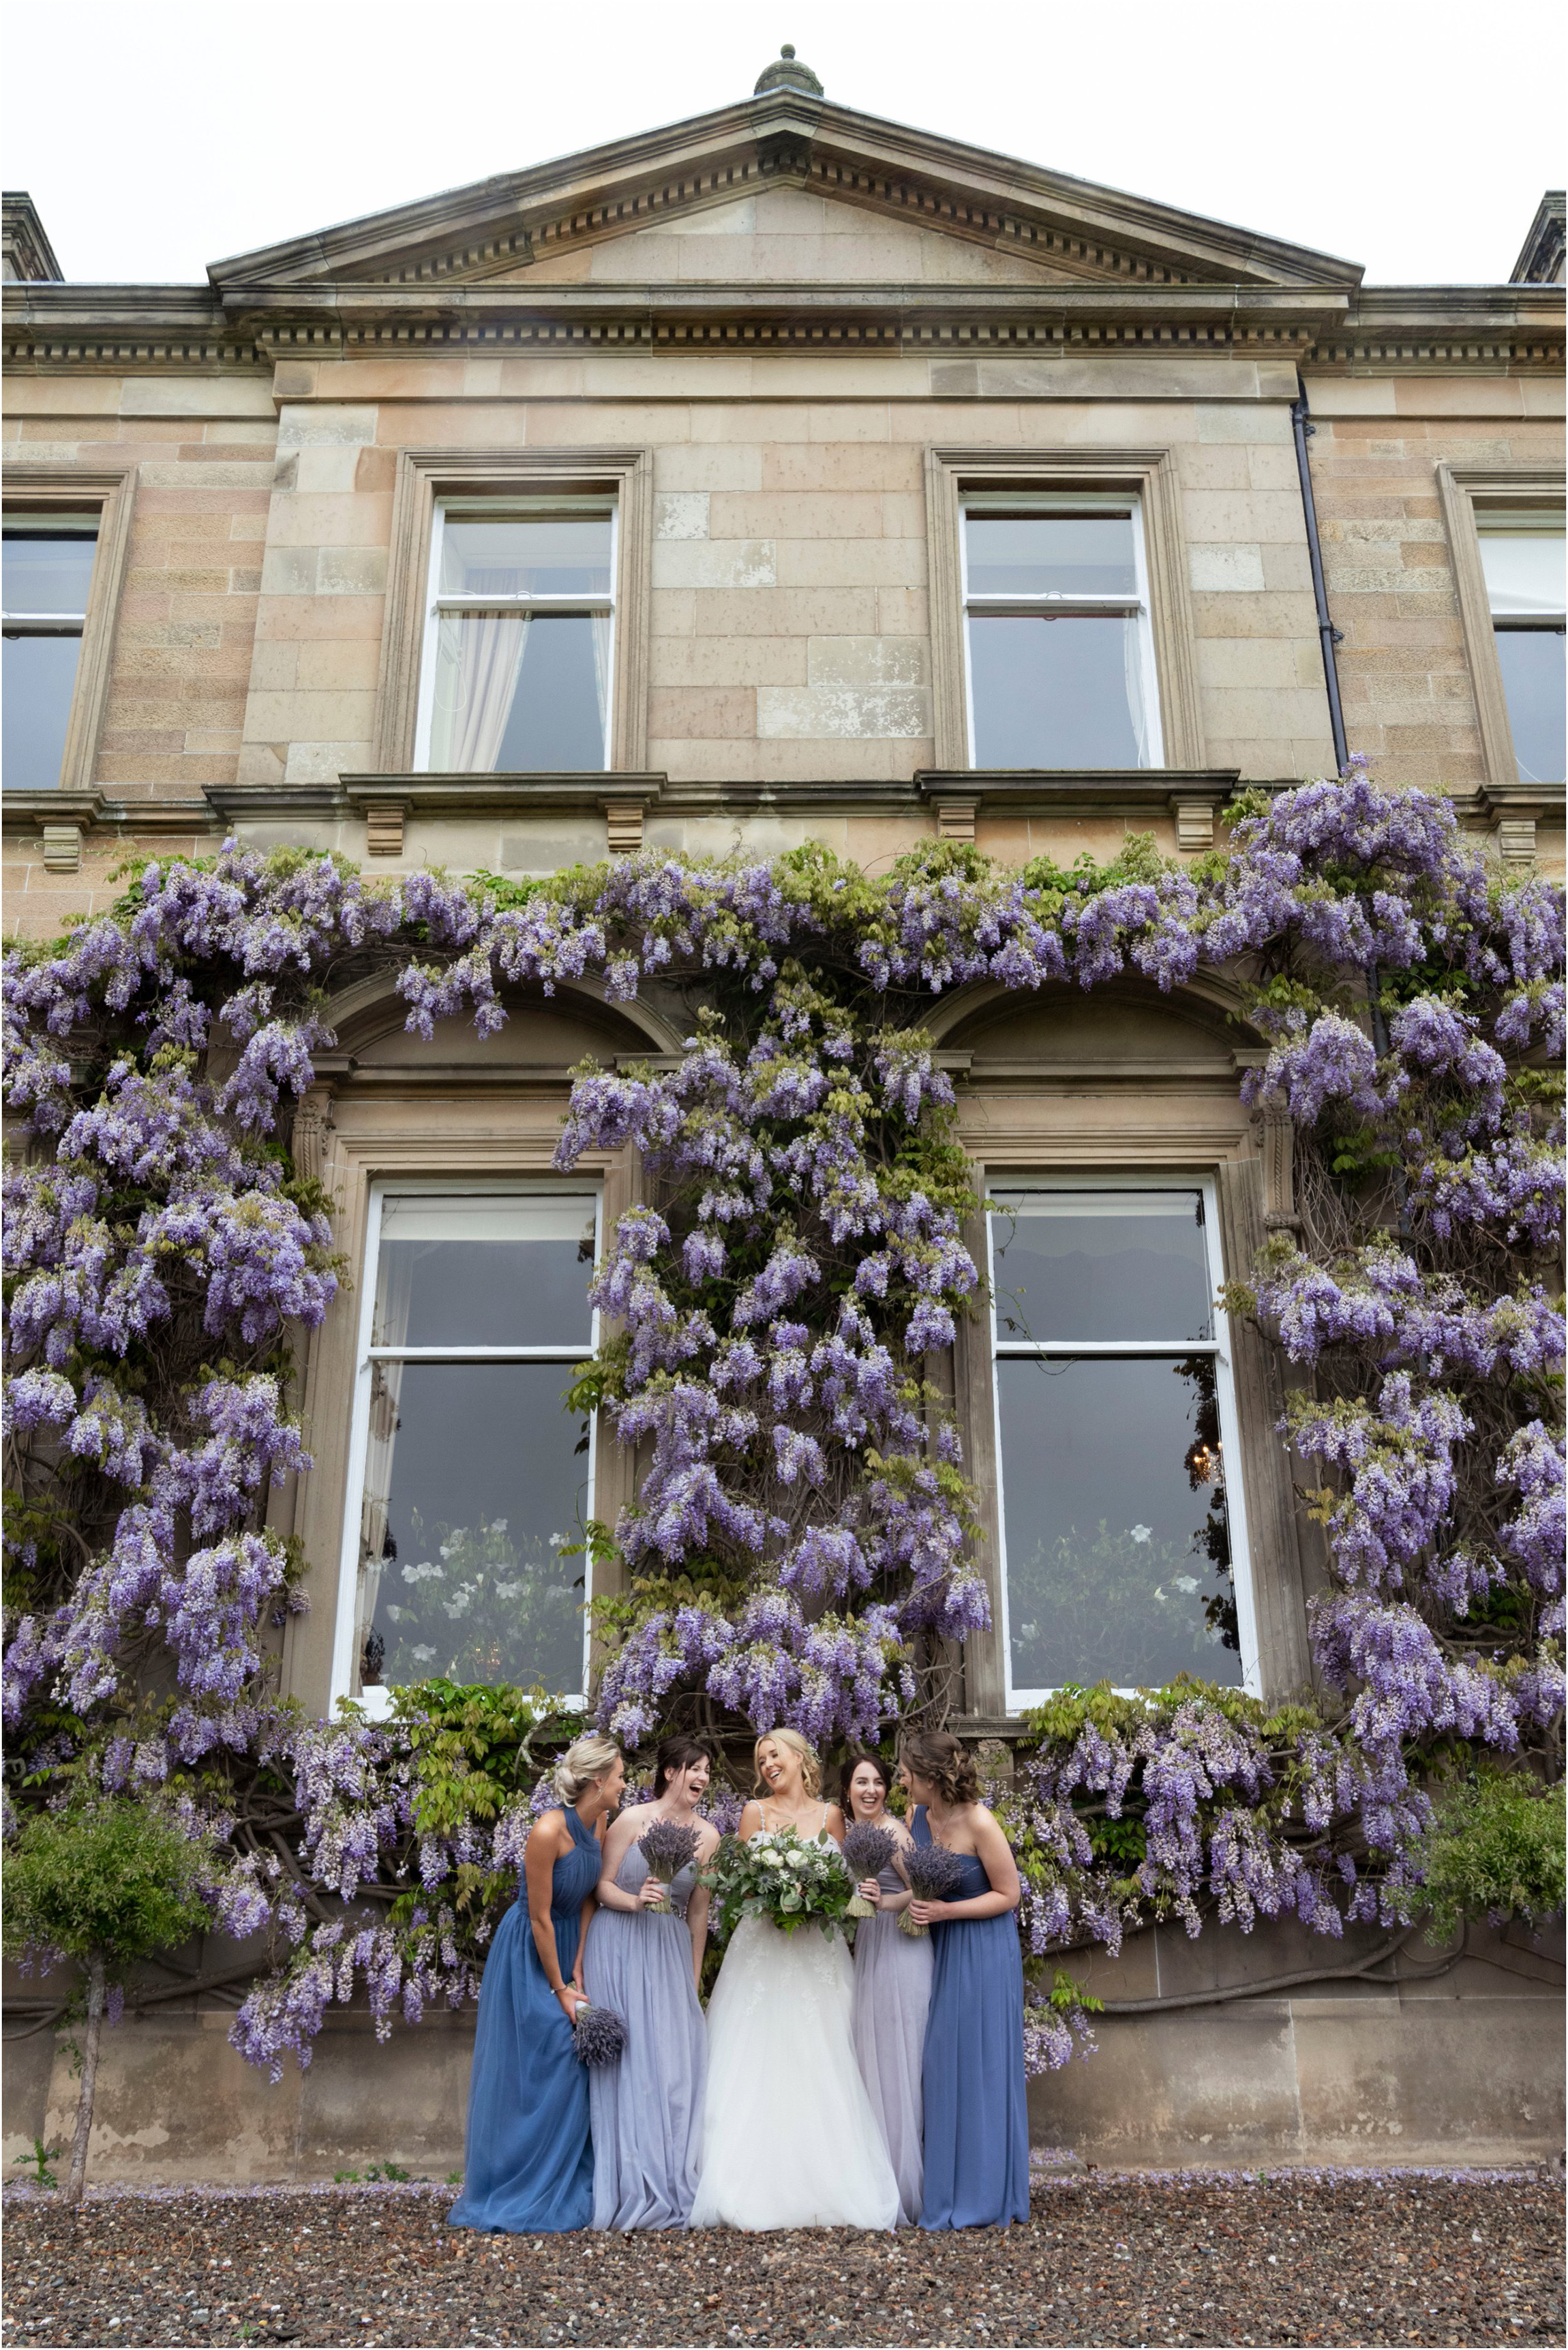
(648, 2110)
(976, 2113)
(529, 2170)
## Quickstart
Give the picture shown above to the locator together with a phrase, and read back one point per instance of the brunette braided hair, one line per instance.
(938, 1756)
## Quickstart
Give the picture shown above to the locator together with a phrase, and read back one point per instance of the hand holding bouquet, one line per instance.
(779, 1877)
(667, 1848)
(935, 1874)
(599, 2035)
(868, 1851)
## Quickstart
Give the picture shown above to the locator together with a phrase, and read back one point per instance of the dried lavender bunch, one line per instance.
(667, 1848)
(867, 1853)
(599, 2036)
(935, 1874)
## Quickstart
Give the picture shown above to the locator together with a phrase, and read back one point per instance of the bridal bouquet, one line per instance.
(667, 1848)
(868, 1851)
(935, 1874)
(780, 1876)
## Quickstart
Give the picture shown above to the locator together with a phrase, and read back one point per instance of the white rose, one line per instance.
(797, 1861)
(772, 1860)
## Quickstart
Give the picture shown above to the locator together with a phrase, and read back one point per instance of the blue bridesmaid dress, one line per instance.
(530, 2166)
(976, 2116)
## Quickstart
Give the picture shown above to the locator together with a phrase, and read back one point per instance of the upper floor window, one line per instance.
(1059, 645)
(519, 646)
(48, 563)
(1121, 1543)
(474, 1481)
(1522, 555)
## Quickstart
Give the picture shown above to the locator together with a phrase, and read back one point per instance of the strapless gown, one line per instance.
(789, 2136)
(892, 1993)
(976, 2106)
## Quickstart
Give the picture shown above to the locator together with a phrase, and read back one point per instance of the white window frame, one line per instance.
(378, 1702)
(548, 506)
(1522, 521)
(1137, 604)
(1219, 1346)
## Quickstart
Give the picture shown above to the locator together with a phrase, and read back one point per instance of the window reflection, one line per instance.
(472, 1580)
(1057, 691)
(1118, 1556)
(1523, 560)
(1100, 1265)
(476, 1477)
(520, 652)
(47, 568)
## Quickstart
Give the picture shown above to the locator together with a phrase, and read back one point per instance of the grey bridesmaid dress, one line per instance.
(892, 1993)
(647, 2111)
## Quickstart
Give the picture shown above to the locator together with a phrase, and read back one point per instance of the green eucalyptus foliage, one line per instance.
(1495, 1850)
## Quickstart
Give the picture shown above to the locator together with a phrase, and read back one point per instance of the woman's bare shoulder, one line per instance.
(626, 1825)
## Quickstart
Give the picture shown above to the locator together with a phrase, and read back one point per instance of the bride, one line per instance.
(789, 2136)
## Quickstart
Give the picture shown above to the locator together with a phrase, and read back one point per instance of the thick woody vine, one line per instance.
(802, 1545)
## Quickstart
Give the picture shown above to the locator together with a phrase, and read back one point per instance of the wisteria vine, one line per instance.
(803, 1545)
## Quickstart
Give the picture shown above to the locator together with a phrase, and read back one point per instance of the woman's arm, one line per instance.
(751, 1821)
(893, 1904)
(994, 1855)
(585, 1919)
(614, 1895)
(834, 1823)
(697, 1908)
(547, 1839)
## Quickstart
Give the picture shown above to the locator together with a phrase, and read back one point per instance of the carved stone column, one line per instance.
(312, 1124)
(1279, 1170)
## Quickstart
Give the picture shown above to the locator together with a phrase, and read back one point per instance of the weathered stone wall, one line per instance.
(1462, 2067)
(1404, 670)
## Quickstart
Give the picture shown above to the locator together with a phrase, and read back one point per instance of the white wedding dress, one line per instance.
(789, 2136)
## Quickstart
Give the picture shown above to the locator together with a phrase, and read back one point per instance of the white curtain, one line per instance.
(394, 1290)
(603, 623)
(1132, 674)
(489, 663)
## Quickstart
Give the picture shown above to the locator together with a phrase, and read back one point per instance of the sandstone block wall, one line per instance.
(1403, 666)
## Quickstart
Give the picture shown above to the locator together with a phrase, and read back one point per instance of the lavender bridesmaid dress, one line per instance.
(892, 1992)
(647, 2111)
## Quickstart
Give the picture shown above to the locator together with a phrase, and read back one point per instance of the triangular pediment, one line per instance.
(784, 183)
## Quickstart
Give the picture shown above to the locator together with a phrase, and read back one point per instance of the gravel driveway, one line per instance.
(1344, 2257)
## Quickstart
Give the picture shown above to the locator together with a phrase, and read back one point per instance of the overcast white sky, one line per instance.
(156, 136)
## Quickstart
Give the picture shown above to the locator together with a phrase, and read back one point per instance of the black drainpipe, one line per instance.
(1328, 635)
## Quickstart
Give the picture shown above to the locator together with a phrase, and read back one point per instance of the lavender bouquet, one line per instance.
(867, 1853)
(599, 2035)
(667, 1848)
(935, 1874)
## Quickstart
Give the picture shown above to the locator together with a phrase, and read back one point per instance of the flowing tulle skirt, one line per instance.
(976, 2113)
(892, 1993)
(530, 2168)
(648, 2110)
(789, 2138)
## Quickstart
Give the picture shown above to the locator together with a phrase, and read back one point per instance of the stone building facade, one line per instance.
(857, 485)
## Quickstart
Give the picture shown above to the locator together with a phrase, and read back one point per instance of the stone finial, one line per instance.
(787, 72)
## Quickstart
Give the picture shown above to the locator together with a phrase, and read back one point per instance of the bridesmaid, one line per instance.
(648, 2110)
(977, 2121)
(892, 1990)
(530, 2168)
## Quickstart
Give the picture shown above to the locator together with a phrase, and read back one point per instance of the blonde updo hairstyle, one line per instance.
(585, 1760)
(810, 1767)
